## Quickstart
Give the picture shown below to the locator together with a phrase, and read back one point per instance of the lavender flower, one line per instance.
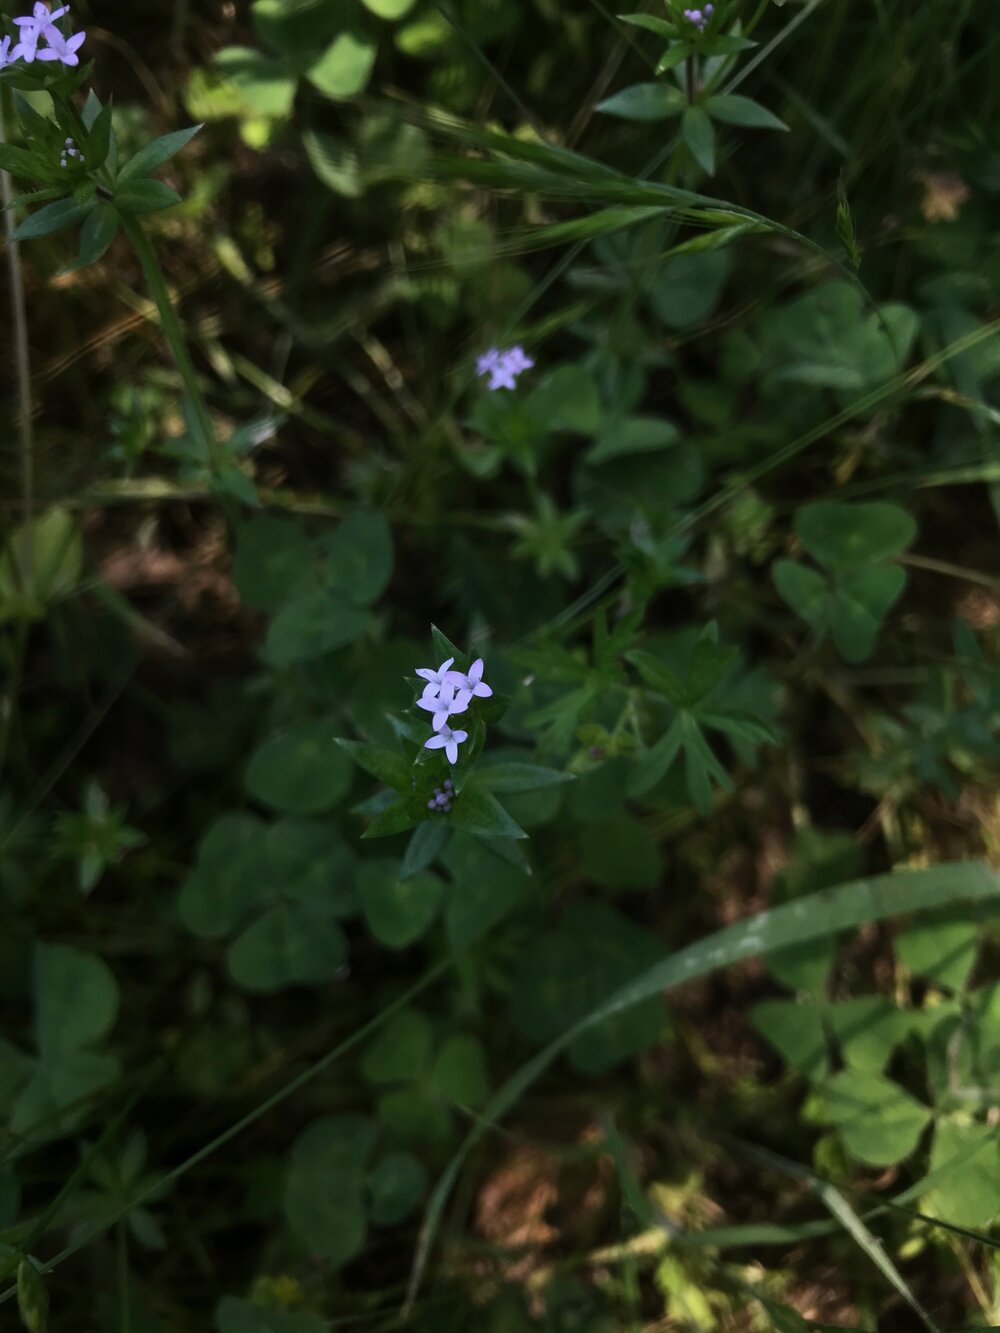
(42, 24)
(69, 151)
(699, 17)
(503, 368)
(435, 677)
(7, 56)
(444, 700)
(449, 741)
(473, 682)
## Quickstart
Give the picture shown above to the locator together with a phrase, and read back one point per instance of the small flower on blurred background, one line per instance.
(442, 798)
(69, 151)
(699, 17)
(449, 741)
(41, 24)
(503, 368)
(443, 701)
(435, 677)
(473, 682)
(7, 56)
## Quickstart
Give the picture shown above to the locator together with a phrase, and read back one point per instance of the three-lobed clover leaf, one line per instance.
(852, 543)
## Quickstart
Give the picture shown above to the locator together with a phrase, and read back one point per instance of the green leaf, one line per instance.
(142, 196)
(98, 231)
(307, 861)
(301, 771)
(386, 765)
(32, 1298)
(658, 675)
(869, 1028)
(19, 162)
(389, 9)
(398, 911)
(879, 1123)
(397, 1185)
(484, 889)
(858, 605)
(660, 26)
(644, 101)
(50, 219)
(345, 67)
(736, 110)
(506, 778)
(460, 1073)
(699, 135)
(41, 562)
(846, 537)
(395, 818)
(796, 1031)
(620, 853)
(415, 1116)
(633, 435)
(564, 972)
(478, 811)
(227, 881)
(76, 999)
(402, 1050)
(335, 162)
(426, 845)
(359, 557)
(325, 1191)
(233, 1315)
(265, 87)
(941, 948)
(822, 915)
(155, 154)
(274, 561)
(654, 763)
(805, 591)
(310, 626)
(56, 1099)
(966, 1192)
(292, 943)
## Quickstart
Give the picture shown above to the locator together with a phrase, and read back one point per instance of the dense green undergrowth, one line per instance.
(611, 401)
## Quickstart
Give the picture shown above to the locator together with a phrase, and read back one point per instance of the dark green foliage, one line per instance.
(285, 989)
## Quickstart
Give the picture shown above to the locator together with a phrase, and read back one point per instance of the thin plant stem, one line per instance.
(24, 564)
(124, 1308)
(174, 333)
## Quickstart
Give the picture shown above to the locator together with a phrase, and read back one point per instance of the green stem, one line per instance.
(23, 566)
(125, 1312)
(174, 334)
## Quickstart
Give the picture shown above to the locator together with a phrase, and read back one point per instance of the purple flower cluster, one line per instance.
(69, 151)
(37, 27)
(442, 798)
(699, 17)
(503, 368)
(446, 694)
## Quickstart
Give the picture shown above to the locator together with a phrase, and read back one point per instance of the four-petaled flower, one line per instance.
(447, 740)
(443, 701)
(445, 694)
(503, 368)
(435, 678)
(471, 683)
(41, 23)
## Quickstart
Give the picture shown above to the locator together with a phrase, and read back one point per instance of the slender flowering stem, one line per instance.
(23, 566)
(174, 334)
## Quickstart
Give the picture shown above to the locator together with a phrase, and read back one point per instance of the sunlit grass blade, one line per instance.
(820, 915)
